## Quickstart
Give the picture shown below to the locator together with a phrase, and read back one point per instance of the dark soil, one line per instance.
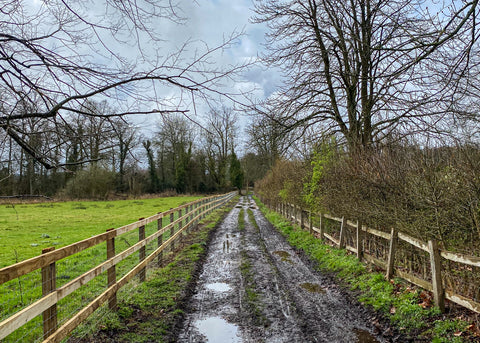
(256, 288)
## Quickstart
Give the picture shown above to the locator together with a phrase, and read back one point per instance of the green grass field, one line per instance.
(26, 229)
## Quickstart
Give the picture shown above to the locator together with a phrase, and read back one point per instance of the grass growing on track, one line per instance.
(26, 229)
(241, 220)
(396, 301)
(150, 311)
(252, 296)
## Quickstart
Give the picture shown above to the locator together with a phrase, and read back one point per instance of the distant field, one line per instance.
(26, 229)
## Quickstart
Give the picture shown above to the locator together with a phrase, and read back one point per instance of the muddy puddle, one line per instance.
(218, 287)
(290, 303)
(217, 330)
(313, 288)
(364, 336)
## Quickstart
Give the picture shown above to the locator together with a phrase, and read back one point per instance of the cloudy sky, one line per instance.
(212, 20)
(206, 24)
(209, 23)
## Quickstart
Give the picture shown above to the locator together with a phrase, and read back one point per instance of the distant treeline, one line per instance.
(103, 157)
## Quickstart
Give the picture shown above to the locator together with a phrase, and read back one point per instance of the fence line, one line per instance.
(448, 275)
(51, 294)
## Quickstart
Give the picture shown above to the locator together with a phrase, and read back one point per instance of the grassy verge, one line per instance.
(150, 312)
(395, 300)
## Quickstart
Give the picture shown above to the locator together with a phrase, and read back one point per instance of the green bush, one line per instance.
(94, 183)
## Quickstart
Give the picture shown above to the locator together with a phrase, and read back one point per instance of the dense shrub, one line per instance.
(94, 183)
(284, 182)
(425, 192)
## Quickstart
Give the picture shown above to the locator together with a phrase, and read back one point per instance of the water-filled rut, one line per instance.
(254, 287)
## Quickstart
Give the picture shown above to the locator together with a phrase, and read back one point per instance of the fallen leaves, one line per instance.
(426, 299)
(471, 330)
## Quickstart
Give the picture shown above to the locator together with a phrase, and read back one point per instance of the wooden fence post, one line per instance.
(49, 284)
(181, 222)
(197, 212)
(310, 222)
(436, 266)
(172, 231)
(359, 240)
(141, 252)
(321, 226)
(111, 272)
(159, 241)
(301, 218)
(190, 217)
(391, 254)
(341, 243)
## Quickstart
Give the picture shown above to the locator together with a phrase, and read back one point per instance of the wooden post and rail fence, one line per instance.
(447, 275)
(46, 306)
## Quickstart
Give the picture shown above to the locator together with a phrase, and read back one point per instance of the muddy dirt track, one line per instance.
(255, 288)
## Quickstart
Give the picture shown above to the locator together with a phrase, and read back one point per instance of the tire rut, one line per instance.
(255, 288)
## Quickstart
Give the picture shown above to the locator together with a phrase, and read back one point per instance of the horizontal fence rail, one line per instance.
(448, 275)
(116, 265)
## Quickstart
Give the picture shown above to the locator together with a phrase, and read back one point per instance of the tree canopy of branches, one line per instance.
(56, 55)
(362, 69)
(220, 135)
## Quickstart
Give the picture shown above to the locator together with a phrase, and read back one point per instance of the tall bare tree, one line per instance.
(268, 139)
(362, 68)
(175, 140)
(220, 136)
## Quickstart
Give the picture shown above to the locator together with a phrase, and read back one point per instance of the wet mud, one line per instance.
(254, 288)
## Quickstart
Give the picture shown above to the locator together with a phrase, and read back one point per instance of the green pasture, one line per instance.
(26, 229)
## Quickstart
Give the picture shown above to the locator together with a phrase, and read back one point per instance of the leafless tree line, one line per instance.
(364, 70)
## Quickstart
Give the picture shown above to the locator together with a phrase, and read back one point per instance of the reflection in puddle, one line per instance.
(226, 246)
(364, 336)
(218, 286)
(285, 256)
(217, 330)
(312, 287)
